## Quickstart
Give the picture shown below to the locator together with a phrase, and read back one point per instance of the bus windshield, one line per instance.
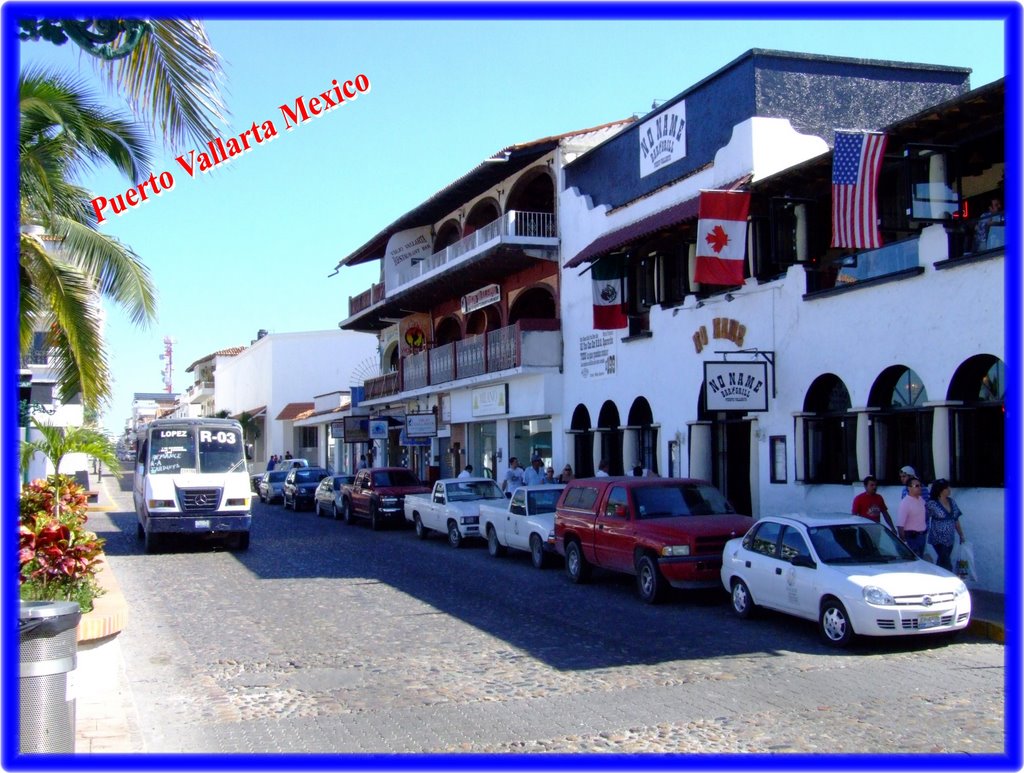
(173, 451)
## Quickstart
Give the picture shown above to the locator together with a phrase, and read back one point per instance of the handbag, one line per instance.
(965, 563)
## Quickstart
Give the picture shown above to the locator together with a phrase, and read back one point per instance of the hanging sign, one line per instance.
(378, 429)
(478, 299)
(736, 386)
(420, 425)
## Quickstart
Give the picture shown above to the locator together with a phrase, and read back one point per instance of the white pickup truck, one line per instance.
(452, 508)
(528, 523)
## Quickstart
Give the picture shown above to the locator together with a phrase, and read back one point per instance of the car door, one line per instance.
(762, 567)
(613, 532)
(799, 595)
(516, 534)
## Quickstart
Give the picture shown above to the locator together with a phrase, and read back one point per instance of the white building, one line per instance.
(864, 360)
(261, 386)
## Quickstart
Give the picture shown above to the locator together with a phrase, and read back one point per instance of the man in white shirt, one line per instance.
(535, 475)
(513, 477)
(602, 469)
(467, 472)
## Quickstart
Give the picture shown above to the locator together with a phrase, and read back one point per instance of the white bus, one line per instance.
(191, 477)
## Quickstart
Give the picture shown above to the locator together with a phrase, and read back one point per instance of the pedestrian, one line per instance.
(513, 477)
(362, 463)
(638, 471)
(534, 476)
(549, 476)
(467, 472)
(911, 520)
(287, 454)
(990, 217)
(566, 475)
(272, 463)
(943, 522)
(869, 503)
(906, 473)
(602, 469)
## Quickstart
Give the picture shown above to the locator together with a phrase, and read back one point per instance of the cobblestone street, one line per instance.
(328, 638)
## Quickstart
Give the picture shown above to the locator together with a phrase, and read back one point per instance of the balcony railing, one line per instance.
(871, 264)
(535, 342)
(366, 299)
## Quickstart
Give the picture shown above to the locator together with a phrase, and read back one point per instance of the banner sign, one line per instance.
(736, 386)
(663, 139)
(597, 354)
(490, 401)
(478, 299)
(420, 425)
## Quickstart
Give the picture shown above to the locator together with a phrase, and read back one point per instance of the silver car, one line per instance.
(271, 486)
(327, 499)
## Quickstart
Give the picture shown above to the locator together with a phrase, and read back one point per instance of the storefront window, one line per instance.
(528, 437)
(483, 444)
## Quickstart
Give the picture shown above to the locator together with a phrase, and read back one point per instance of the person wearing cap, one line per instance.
(906, 473)
(534, 476)
(911, 518)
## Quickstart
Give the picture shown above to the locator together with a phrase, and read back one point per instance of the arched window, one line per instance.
(830, 437)
(534, 303)
(611, 437)
(978, 427)
(902, 426)
(447, 235)
(640, 416)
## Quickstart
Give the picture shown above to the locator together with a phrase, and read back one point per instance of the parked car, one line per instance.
(291, 464)
(379, 495)
(849, 574)
(272, 485)
(452, 508)
(327, 499)
(666, 531)
(300, 486)
(527, 523)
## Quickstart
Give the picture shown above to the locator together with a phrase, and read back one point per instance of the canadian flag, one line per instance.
(722, 237)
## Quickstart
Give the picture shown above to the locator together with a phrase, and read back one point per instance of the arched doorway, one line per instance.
(448, 330)
(830, 434)
(977, 451)
(730, 453)
(482, 213)
(533, 303)
(483, 320)
(447, 235)
(608, 424)
(640, 420)
(583, 452)
(533, 192)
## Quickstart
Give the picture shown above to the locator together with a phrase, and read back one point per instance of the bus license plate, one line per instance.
(204, 524)
(928, 620)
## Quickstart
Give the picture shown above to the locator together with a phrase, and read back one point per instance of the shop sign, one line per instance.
(736, 386)
(378, 429)
(415, 442)
(357, 429)
(478, 299)
(663, 139)
(598, 354)
(723, 328)
(337, 430)
(420, 425)
(412, 245)
(490, 401)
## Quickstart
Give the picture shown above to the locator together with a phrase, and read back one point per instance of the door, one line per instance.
(764, 569)
(798, 594)
(516, 534)
(731, 461)
(613, 532)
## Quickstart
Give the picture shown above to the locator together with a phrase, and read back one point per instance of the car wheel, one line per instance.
(454, 535)
(421, 531)
(346, 512)
(374, 519)
(537, 554)
(834, 623)
(649, 583)
(334, 508)
(742, 603)
(494, 548)
(152, 541)
(576, 565)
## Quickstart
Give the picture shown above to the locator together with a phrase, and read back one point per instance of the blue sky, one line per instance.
(251, 245)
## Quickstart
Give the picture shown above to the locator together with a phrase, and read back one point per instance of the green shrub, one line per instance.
(58, 557)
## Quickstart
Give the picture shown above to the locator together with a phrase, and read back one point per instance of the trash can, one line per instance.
(49, 653)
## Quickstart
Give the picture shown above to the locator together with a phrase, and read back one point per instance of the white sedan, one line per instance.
(851, 575)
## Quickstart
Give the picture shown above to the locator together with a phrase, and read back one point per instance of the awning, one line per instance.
(677, 213)
(294, 411)
(255, 413)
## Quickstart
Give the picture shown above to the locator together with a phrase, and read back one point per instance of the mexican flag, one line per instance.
(609, 296)
(722, 237)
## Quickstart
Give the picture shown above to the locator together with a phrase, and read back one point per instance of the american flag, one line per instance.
(856, 164)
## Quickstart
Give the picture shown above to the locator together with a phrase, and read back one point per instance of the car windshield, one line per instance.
(481, 489)
(680, 499)
(395, 478)
(867, 543)
(276, 476)
(544, 500)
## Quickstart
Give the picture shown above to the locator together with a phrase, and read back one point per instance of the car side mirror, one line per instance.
(803, 561)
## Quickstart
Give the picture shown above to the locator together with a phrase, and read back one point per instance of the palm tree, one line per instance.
(63, 131)
(57, 442)
(166, 69)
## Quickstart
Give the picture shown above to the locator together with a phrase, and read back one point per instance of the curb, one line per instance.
(988, 630)
(109, 613)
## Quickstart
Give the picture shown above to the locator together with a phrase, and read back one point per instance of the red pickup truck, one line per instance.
(378, 495)
(666, 531)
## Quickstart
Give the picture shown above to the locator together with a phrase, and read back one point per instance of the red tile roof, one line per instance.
(294, 411)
